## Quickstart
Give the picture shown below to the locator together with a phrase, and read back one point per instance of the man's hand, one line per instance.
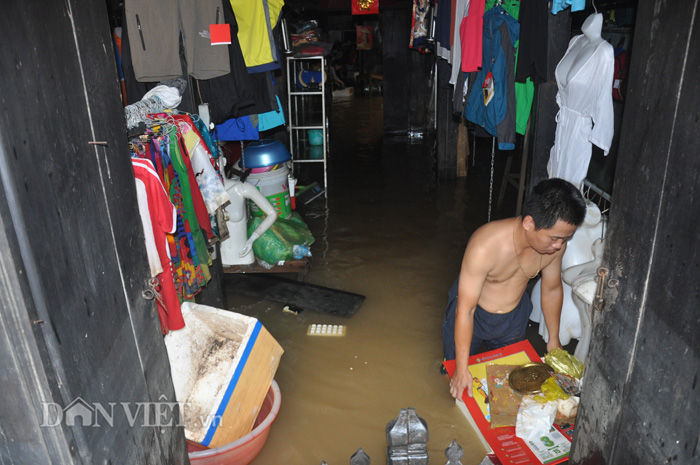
(553, 344)
(462, 379)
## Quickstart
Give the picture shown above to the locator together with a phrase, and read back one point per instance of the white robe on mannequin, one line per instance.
(585, 113)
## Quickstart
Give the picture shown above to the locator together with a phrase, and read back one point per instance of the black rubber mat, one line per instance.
(294, 293)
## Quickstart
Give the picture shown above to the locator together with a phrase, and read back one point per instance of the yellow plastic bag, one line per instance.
(551, 391)
(564, 362)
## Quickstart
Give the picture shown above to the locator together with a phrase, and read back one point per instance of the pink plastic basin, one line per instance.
(245, 449)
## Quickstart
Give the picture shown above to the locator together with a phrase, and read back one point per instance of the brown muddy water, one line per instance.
(389, 231)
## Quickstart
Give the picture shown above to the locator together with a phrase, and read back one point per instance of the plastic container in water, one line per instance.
(272, 182)
(245, 449)
(274, 185)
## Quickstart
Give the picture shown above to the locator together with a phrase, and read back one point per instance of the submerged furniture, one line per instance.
(306, 93)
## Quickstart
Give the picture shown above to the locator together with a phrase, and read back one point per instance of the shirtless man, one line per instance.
(488, 303)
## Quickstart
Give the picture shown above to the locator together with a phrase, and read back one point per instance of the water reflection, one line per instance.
(390, 232)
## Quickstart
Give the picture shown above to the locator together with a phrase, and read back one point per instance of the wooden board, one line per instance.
(290, 266)
(301, 295)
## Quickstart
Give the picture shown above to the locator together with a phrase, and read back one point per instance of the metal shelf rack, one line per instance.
(307, 111)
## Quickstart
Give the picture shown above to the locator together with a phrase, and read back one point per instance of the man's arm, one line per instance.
(552, 299)
(475, 266)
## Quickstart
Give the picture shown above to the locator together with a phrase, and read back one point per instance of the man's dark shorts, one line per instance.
(496, 330)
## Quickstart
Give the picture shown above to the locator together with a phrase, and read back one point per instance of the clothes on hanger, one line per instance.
(497, 116)
(237, 93)
(442, 26)
(256, 21)
(159, 218)
(533, 49)
(576, 5)
(184, 190)
(585, 115)
(471, 33)
(154, 32)
(460, 13)
(525, 90)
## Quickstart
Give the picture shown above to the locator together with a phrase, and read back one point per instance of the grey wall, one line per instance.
(72, 321)
(641, 393)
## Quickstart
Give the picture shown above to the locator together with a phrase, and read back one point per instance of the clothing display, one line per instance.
(585, 112)
(533, 48)
(159, 219)
(442, 25)
(576, 5)
(272, 119)
(496, 116)
(525, 90)
(461, 11)
(154, 33)
(256, 20)
(237, 93)
(179, 207)
(471, 34)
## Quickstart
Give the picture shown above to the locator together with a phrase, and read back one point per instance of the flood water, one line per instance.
(390, 231)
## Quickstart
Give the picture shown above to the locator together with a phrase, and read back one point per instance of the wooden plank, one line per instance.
(462, 148)
(290, 266)
(301, 295)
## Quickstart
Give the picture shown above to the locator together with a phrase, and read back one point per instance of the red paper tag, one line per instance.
(220, 34)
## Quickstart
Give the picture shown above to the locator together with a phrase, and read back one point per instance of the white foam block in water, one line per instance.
(326, 330)
(222, 364)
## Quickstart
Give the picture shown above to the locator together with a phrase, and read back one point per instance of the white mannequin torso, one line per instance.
(582, 50)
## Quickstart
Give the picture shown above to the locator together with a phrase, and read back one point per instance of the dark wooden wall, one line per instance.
(641, 392)
(406, 75)
(72, 268)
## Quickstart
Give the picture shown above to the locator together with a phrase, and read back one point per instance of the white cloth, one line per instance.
(151, 250)
(170, 96)
(585, 115)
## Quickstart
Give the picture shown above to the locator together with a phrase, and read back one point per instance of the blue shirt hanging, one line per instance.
(236, 129)
(494, 61)
(576, 5)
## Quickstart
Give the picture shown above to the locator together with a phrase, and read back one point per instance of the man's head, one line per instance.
(551, 214)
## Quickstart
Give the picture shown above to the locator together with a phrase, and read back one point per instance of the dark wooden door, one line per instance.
(74, 329)
(641, 390)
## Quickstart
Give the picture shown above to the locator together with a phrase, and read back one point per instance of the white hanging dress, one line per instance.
(585, 114)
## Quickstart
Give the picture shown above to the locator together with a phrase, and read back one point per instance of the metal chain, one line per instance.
(493, 158)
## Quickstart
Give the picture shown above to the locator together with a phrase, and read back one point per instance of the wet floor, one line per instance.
(390, 231)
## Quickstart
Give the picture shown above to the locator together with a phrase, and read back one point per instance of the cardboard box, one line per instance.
(222, 364)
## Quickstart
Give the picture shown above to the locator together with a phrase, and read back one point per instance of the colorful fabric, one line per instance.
(162, 216)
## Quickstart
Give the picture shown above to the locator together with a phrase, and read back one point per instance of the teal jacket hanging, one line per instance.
(499, 63)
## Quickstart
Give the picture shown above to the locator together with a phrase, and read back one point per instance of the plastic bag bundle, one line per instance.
(277, 243)
(564, 362)
(534, 419)
(551, 391)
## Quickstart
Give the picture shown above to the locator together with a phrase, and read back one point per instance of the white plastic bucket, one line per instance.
(274, 186)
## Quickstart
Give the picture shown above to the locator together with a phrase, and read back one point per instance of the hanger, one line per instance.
(594, 7)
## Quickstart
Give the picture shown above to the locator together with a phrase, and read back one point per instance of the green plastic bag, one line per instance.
(277, 243)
